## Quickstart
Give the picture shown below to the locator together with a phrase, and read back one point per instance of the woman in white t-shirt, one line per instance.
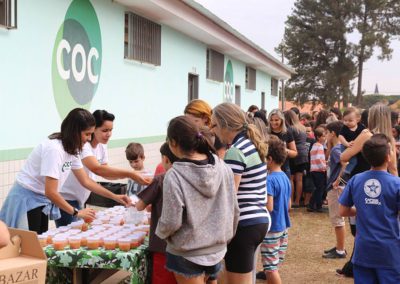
(34, 196)
(94, 158)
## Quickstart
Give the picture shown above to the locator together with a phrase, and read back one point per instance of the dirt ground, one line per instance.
(309, 236)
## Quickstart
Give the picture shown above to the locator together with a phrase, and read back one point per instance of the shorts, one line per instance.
(333, 206)
(180, 265)
(300, 168)
(366, 275)
(273, 250)
(159, 274)
(240, 255)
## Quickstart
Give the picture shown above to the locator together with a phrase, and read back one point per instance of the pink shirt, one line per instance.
(317, 158)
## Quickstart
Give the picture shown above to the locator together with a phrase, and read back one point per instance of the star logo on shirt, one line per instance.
(372, 188)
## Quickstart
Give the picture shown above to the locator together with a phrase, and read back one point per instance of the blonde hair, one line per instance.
(200, 109)
(279, 113)
(379, 120)
(230, 117)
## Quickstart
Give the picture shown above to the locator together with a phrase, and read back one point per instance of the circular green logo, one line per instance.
(77, 55)
(228, 83)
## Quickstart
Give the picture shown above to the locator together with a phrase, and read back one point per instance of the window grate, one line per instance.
(215, 65)
(142, 39)
(8, 13)
(250, 78)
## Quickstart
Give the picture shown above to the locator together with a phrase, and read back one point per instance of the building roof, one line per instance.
(194, 20)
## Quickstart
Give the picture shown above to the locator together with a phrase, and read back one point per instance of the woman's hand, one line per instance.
(140, 179)
(123, 199)
(88, 214)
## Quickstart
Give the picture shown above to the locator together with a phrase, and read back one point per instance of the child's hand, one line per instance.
(351, 144)
(335, 184)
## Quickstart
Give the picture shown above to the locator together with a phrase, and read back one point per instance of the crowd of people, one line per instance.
(225, 185)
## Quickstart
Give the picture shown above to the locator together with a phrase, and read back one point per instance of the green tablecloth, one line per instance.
(134, 261)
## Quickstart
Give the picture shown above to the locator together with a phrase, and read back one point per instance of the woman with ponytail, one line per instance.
(246, 157)
(200, 212)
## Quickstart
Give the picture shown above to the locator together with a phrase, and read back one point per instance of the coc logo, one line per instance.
(228, 83)
(77, 56)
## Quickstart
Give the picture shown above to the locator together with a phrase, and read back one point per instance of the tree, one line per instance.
(316, 46)
(378, 23)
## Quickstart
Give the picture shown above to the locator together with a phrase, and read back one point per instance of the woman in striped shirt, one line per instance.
(246, 157)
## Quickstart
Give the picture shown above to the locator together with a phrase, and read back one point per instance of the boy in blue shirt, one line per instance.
(334, 191)
(375, 195)
(274, 245)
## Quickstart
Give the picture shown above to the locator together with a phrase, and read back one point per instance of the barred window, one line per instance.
(274, 87)
(250, 78)
(142, 39)
(8, 13)
(215, 65)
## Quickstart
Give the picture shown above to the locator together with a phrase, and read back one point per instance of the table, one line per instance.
(134, 261)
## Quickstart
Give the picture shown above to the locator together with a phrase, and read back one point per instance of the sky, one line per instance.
(263, 22)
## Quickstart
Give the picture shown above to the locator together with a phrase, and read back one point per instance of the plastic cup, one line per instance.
(60, 242)
(50, 236)
(93, 242)
(77, 225)
(110, 243)
(96, 222)
(74, 242)
(42, 240)
(135, 241)
(124, 244)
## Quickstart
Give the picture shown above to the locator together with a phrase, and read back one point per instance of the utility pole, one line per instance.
(283, 83)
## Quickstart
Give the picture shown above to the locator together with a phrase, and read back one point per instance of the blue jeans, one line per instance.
(352, 163)
(67, 218)
(180, 265)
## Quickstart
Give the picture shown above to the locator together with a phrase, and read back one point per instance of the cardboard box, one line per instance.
(23, 260)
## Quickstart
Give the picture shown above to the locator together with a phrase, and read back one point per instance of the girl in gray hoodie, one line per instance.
(200, 210)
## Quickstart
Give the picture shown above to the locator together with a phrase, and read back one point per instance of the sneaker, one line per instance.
(339, 272)
(330, 250)
(334, 254)
(261, 275)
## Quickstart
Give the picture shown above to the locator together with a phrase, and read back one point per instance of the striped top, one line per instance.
(242, 157)
(317, 158)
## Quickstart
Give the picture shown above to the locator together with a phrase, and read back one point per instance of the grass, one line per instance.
(309, 236)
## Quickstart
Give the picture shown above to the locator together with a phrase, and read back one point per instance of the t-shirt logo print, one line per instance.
(372, 188)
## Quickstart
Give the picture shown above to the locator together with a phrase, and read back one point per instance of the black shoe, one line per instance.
(334, 254)
(261, 275)
(310, 209)
(321, 210)
(340, 272)
(330, 250)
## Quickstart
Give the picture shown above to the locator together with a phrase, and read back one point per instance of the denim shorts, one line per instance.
(180, 265)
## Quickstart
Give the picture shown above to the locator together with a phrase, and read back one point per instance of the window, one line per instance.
(193, 87)
(142, 39)
(262, 100)
(8, 13)
(215, 65)
(250, 78)
(274, 87)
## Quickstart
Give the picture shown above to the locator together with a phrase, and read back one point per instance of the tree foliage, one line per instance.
(316, 44)
(378, 23)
